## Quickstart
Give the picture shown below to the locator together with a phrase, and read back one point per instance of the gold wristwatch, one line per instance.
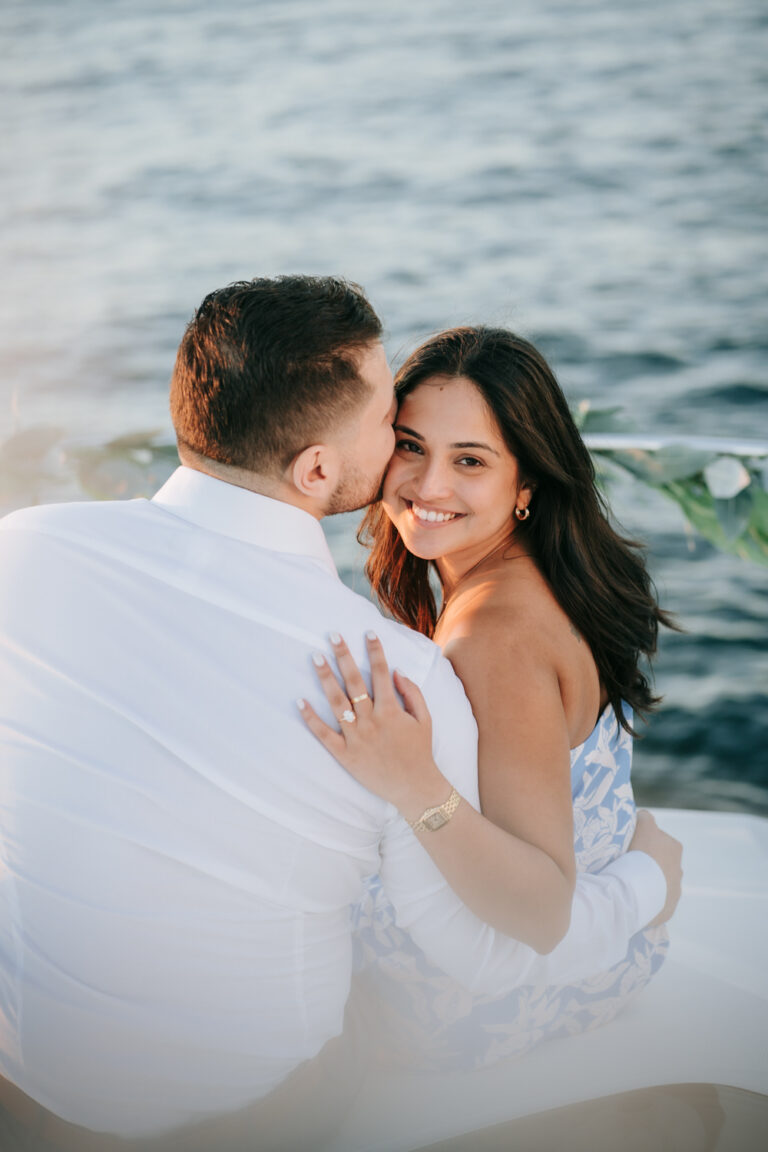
(433, 818)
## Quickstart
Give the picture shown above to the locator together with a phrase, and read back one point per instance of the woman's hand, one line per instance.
(385, 745)
(668, 854)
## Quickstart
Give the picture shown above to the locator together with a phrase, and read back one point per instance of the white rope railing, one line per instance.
(627, 442)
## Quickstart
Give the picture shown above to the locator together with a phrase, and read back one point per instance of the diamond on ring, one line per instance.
(347, 716)
(359, 699)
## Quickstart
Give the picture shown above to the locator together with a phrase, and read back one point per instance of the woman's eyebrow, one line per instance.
(408, 431)
(475, 444)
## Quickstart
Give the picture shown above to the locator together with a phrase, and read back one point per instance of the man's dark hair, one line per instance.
(268, 367)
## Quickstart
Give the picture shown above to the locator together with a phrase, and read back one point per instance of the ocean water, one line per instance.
(592, 173)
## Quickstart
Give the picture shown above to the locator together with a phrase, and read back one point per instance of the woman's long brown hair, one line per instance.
(598, 577)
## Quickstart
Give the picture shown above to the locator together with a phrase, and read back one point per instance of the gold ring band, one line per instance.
(359, 699)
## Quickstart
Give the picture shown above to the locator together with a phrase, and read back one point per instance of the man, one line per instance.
(179, 854)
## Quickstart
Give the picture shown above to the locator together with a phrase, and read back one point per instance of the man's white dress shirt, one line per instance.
(178, 855)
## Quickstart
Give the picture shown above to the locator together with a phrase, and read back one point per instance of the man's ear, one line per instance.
(315, 472)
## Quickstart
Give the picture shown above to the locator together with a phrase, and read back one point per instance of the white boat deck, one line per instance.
(703, 1020)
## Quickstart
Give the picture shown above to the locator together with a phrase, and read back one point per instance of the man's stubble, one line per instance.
(354, 491)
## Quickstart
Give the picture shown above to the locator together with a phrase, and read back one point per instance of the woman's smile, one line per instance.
(430, 517)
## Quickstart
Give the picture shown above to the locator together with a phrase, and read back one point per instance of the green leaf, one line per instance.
(699, 508)
(675, 462)
(733, 515)
(600, 420)
(738, 524)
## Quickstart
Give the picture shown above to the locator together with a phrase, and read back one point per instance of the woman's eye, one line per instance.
(472, 461)
(408, 446)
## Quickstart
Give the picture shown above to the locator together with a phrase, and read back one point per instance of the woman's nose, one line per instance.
(434, 482)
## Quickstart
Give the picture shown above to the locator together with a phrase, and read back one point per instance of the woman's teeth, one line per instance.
(432, 516)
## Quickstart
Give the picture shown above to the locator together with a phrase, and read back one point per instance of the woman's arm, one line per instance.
(522, 888)
(524, 766)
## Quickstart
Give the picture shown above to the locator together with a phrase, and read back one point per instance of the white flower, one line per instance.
(726, 477)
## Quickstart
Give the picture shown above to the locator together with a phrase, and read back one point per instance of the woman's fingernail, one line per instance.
(318, 659)
(335, 638)
(301, 704)
(371, 635)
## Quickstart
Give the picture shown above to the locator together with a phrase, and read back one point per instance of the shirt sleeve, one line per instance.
(608, 907)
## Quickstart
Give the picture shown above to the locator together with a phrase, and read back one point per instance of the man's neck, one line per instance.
(263, 485)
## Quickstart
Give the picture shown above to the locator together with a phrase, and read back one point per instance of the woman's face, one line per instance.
(452, 484)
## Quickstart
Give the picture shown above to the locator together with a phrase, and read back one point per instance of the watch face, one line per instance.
(435, 820)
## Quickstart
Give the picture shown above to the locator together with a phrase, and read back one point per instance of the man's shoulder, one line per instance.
(50, 518)
(405, 648)
(35, 536)
(422, 661)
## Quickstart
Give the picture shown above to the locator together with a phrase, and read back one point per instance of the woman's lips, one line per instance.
(431, 517)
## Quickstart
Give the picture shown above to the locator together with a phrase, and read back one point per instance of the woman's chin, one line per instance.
(423, 549)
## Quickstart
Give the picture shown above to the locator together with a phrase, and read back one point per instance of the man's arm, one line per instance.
(608, 909)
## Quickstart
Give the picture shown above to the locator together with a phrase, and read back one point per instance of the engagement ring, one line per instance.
(347, 716)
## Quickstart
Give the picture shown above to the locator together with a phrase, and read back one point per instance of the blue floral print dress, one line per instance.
(430, 1021)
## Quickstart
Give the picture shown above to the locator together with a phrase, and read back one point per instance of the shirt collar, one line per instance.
(221, 507)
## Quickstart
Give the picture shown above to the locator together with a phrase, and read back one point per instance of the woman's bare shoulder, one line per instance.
(510, 673)
(515, 627)
(494, 640)
(505, 614)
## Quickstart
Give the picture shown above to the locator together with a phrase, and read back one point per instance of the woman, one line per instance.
(546, 612)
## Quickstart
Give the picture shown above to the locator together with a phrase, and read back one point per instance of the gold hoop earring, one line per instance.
(522, 513)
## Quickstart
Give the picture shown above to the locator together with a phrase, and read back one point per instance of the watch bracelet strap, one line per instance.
(447, 809)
